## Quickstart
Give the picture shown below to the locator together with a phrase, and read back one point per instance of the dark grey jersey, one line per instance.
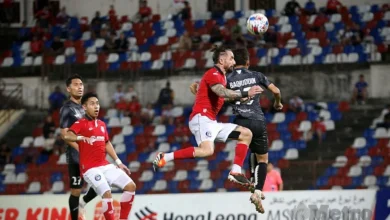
(243, 79)
(69, 114)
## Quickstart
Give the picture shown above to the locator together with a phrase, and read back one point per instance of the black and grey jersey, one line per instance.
(69, 114)
(243, 79)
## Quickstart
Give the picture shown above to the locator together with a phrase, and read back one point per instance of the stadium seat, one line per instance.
(201, 165)
(355, 171)
(304, 126)
(381, 133)
(340, 161)
(370, 180)
(364, 161)
(39, 141)
(28, 61)
(10, 178)
(325, 114)
(125, 121)
(230, 146)
(113, 122)
(159, 130)
(387, 171)
(330, 125)
(118, 139)
(169, 166)
(206, 184)
(60, 60)
(286, 60)
(160, 185)
(34, 187)
(291, 154)
(279, 117)
(91, 58)
(276, 145)
(336, 187)
(21, 178)
(7, 62)
(146, 176)
(120, 148)
(112, 58)
(57, 187)
(134, 166)
(62, 159)
(180, 175)
(157, 64)
(359, 142)
(163, 147)
(203, 174)
(86, 36)
(27, 141)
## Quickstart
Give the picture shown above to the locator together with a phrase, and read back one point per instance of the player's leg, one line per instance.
(96, 179)
(243, 137)
(76, 184)
(90, 195)
(120, 179)
(205, 132)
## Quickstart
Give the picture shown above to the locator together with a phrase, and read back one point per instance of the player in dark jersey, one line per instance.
(250, 115)
(69, 114)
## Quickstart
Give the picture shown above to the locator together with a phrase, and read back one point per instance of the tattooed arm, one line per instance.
(221, 91)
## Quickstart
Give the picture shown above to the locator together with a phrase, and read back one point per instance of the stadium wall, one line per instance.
(318, 85)
(287, 205)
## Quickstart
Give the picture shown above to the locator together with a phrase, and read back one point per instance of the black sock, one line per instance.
(260, 175)
(74, 207)
(91, 194)
(252, 166)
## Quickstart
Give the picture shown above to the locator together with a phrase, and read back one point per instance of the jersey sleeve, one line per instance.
(64, 117)
(213, 78)
(263, 80)
(278, 178)
(76, 127)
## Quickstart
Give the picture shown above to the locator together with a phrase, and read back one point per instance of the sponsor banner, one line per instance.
(382, 210)
(288, 205)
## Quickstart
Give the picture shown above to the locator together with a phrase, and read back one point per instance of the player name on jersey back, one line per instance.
(244, 82)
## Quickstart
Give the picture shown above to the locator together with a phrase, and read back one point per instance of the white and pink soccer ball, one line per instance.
(257, 24)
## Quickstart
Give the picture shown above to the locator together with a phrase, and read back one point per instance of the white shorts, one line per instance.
(205, 129)
(101, 178)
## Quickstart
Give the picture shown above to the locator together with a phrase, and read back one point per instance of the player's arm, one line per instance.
(277, 95)
(111, 151)
(64, 132)
(71, 137)
(223, 92)
(194, 90)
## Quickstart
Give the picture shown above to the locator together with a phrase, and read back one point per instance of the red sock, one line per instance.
(108, 209)
(241, 150)
(185, 153)
(126, 204)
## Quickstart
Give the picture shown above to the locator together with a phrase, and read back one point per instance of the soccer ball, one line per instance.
(257, 24)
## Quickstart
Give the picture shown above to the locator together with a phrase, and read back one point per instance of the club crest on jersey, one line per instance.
(98, 177)
(102, 128)
(208, 133)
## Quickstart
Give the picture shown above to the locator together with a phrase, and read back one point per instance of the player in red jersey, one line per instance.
(209, 100)
(93, 144)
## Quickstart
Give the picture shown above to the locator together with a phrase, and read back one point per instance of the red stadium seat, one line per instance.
(271, 127)
(295, 51)
(382, 48)
(283, 164)
(350, 152)
(375, 151)
(343, 106)
(301, 116)
(337, 49)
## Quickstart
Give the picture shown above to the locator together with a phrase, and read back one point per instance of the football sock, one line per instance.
(260, 175)
(126, 204)
(74, 207)
(185, 153)
(108, 209)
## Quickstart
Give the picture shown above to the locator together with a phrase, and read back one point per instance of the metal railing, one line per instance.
(11, 96)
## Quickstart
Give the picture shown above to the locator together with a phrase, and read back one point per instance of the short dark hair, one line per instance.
(70, 78)
(241, 56)
(218, 51)
(87, 96)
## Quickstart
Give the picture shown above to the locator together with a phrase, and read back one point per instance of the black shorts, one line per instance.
(75, 179)
(259, 144)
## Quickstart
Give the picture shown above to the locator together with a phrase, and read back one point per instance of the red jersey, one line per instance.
(91, 155)
(207, 103)
(333, 4)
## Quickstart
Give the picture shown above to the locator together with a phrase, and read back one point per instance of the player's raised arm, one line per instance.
(277, 95)
(222, 91)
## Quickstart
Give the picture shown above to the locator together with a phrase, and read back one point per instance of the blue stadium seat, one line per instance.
(170, 129)
(158, 176)
(16, 151)
(262, 52)
(70, 59)
(270, 12)
(57, 176)
(336, 115)
(20, 168)
(129, 139)
(357, 181)
(2, 188)
(212, 165)
(331, 171)
(312, 116)
(287, 144)
(138, 130)
(361, 152)
(43, 158)
(283, 127)
(123, 157)
(376, 160)
(333, 106)
(142, 157)
(369, 133)
(371, 142)
(285, 135)
(198, 24)
(88, 43)
(221, 156)
(173, 187)
(194, 185)
(130, 148)
(322, 181)
(382, 180)
(362, 58)
(300, 145)
(238, 14)
(114, 66)
(268, 117)
(368, 170)
(290, 116)
(192, 175)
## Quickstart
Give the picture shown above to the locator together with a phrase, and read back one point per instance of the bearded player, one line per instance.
(249, 114)
(93, 143)
(209, 100)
